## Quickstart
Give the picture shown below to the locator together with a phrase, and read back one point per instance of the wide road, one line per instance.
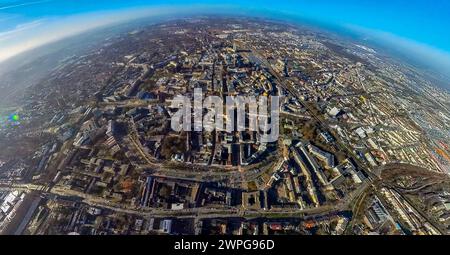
(58, 192)
(281, 81)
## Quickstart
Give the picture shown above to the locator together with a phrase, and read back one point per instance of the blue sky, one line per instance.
(421, 27)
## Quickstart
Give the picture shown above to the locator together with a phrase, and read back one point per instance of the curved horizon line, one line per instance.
(56, 30)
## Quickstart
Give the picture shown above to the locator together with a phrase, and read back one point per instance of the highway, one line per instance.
(293, 92)
(58, 192)
(131, 103)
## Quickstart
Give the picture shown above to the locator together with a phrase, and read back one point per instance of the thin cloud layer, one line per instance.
(27, 36)
(419, 52)
(14, 5)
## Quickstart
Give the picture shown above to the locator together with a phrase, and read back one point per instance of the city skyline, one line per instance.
(223, 119)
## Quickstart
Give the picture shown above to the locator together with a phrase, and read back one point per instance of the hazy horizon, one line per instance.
(26, 25)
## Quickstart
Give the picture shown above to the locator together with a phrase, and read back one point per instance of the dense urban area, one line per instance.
(363, 145)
